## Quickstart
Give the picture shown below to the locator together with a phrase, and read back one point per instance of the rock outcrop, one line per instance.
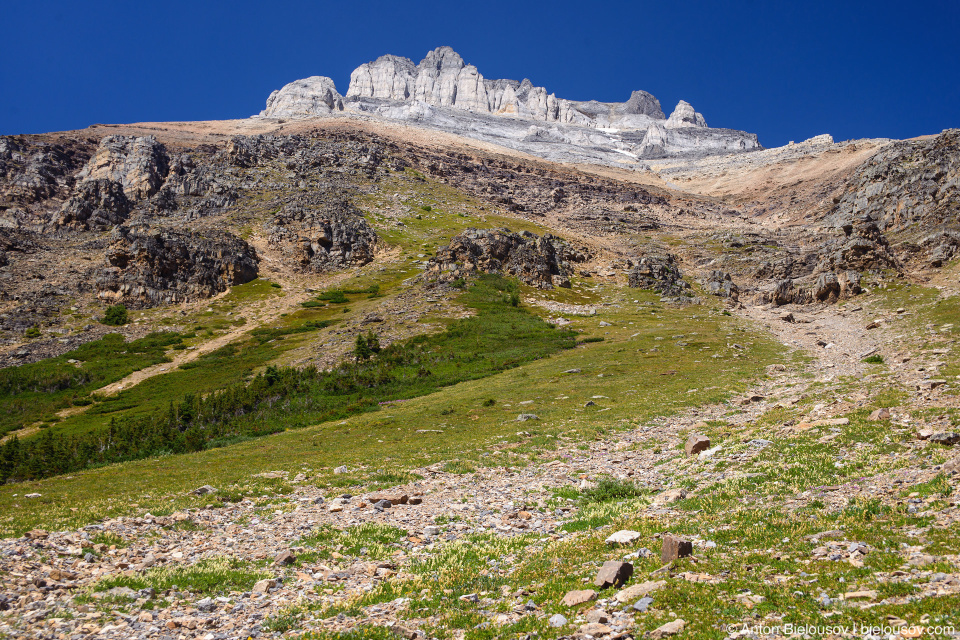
(316, 95)
(444, 92)
(139, 164)
(720, 284)
(910, 188)
(323, 233)
(659, 273)
(97, 203)
(541, 261)
(146, 269)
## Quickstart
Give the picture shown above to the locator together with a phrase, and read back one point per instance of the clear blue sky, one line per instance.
(784, 70)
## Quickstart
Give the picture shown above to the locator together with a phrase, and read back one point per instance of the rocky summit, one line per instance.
(443, 92)
(446, 357)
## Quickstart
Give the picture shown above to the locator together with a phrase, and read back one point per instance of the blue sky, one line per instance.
(786, 71)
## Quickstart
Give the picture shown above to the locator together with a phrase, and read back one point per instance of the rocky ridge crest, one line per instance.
(444, 92)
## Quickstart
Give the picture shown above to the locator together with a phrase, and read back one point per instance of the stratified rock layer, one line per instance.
(444, 92)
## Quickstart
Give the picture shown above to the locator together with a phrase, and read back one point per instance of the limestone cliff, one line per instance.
(444, 92)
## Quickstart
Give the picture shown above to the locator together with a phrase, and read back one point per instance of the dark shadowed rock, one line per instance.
(659, 273)
(675, 547)
(151, 268)
(541, 261)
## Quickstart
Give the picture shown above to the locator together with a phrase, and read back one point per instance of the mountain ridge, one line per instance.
(444, 92)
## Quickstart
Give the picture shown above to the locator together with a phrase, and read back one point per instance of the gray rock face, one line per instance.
(147, 269)
(316, 95)
(541, 261)
(98, 203)
(140, 165)
(444, 92)
(684, 116)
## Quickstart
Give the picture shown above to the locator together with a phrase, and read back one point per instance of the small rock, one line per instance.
(32, 495)
(264, 586)
(206, 605)
(341, 470)
(613, 573)
(670, 629)
(574, 598)
(948, 439)
(675, 547)
(571, 371)
(523, 417)
(204, 490)
(598, 615)
(787, 317)
(470, 597)
(880, 414)
(696, 444)
(639, 590)
(860, 595)
(643, 604)
(285, 558)
(624, 536)
(595, 629)
(557, 620)
(431, 530)
(403, 632)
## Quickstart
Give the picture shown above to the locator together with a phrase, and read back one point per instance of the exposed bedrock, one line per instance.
(541, 261)
(149, 268)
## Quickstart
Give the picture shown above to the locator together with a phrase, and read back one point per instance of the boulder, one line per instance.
(613, 573)
(675, 547)
(574, 598)
(659, 273)
(696, 443)
(541, 261)
(145, 269)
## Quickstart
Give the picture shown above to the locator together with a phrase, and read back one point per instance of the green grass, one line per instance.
(632, 380)
(208, 576)
(31, 391)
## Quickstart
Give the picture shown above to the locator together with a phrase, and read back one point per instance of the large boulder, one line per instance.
(540, 261)
(661, 274)
(720, 284)
(146, 269)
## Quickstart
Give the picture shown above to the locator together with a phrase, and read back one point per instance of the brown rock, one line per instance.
(675, 547)
(948, 439)
(595, 629)
(574, 598)
(598, 615)
(264, 586)
(613, 573)
(633, 593)
(285, 558)
(403, 632)
(880, 414)
(415, 500)
(672, 628)
(696, 444)
(670, 496)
